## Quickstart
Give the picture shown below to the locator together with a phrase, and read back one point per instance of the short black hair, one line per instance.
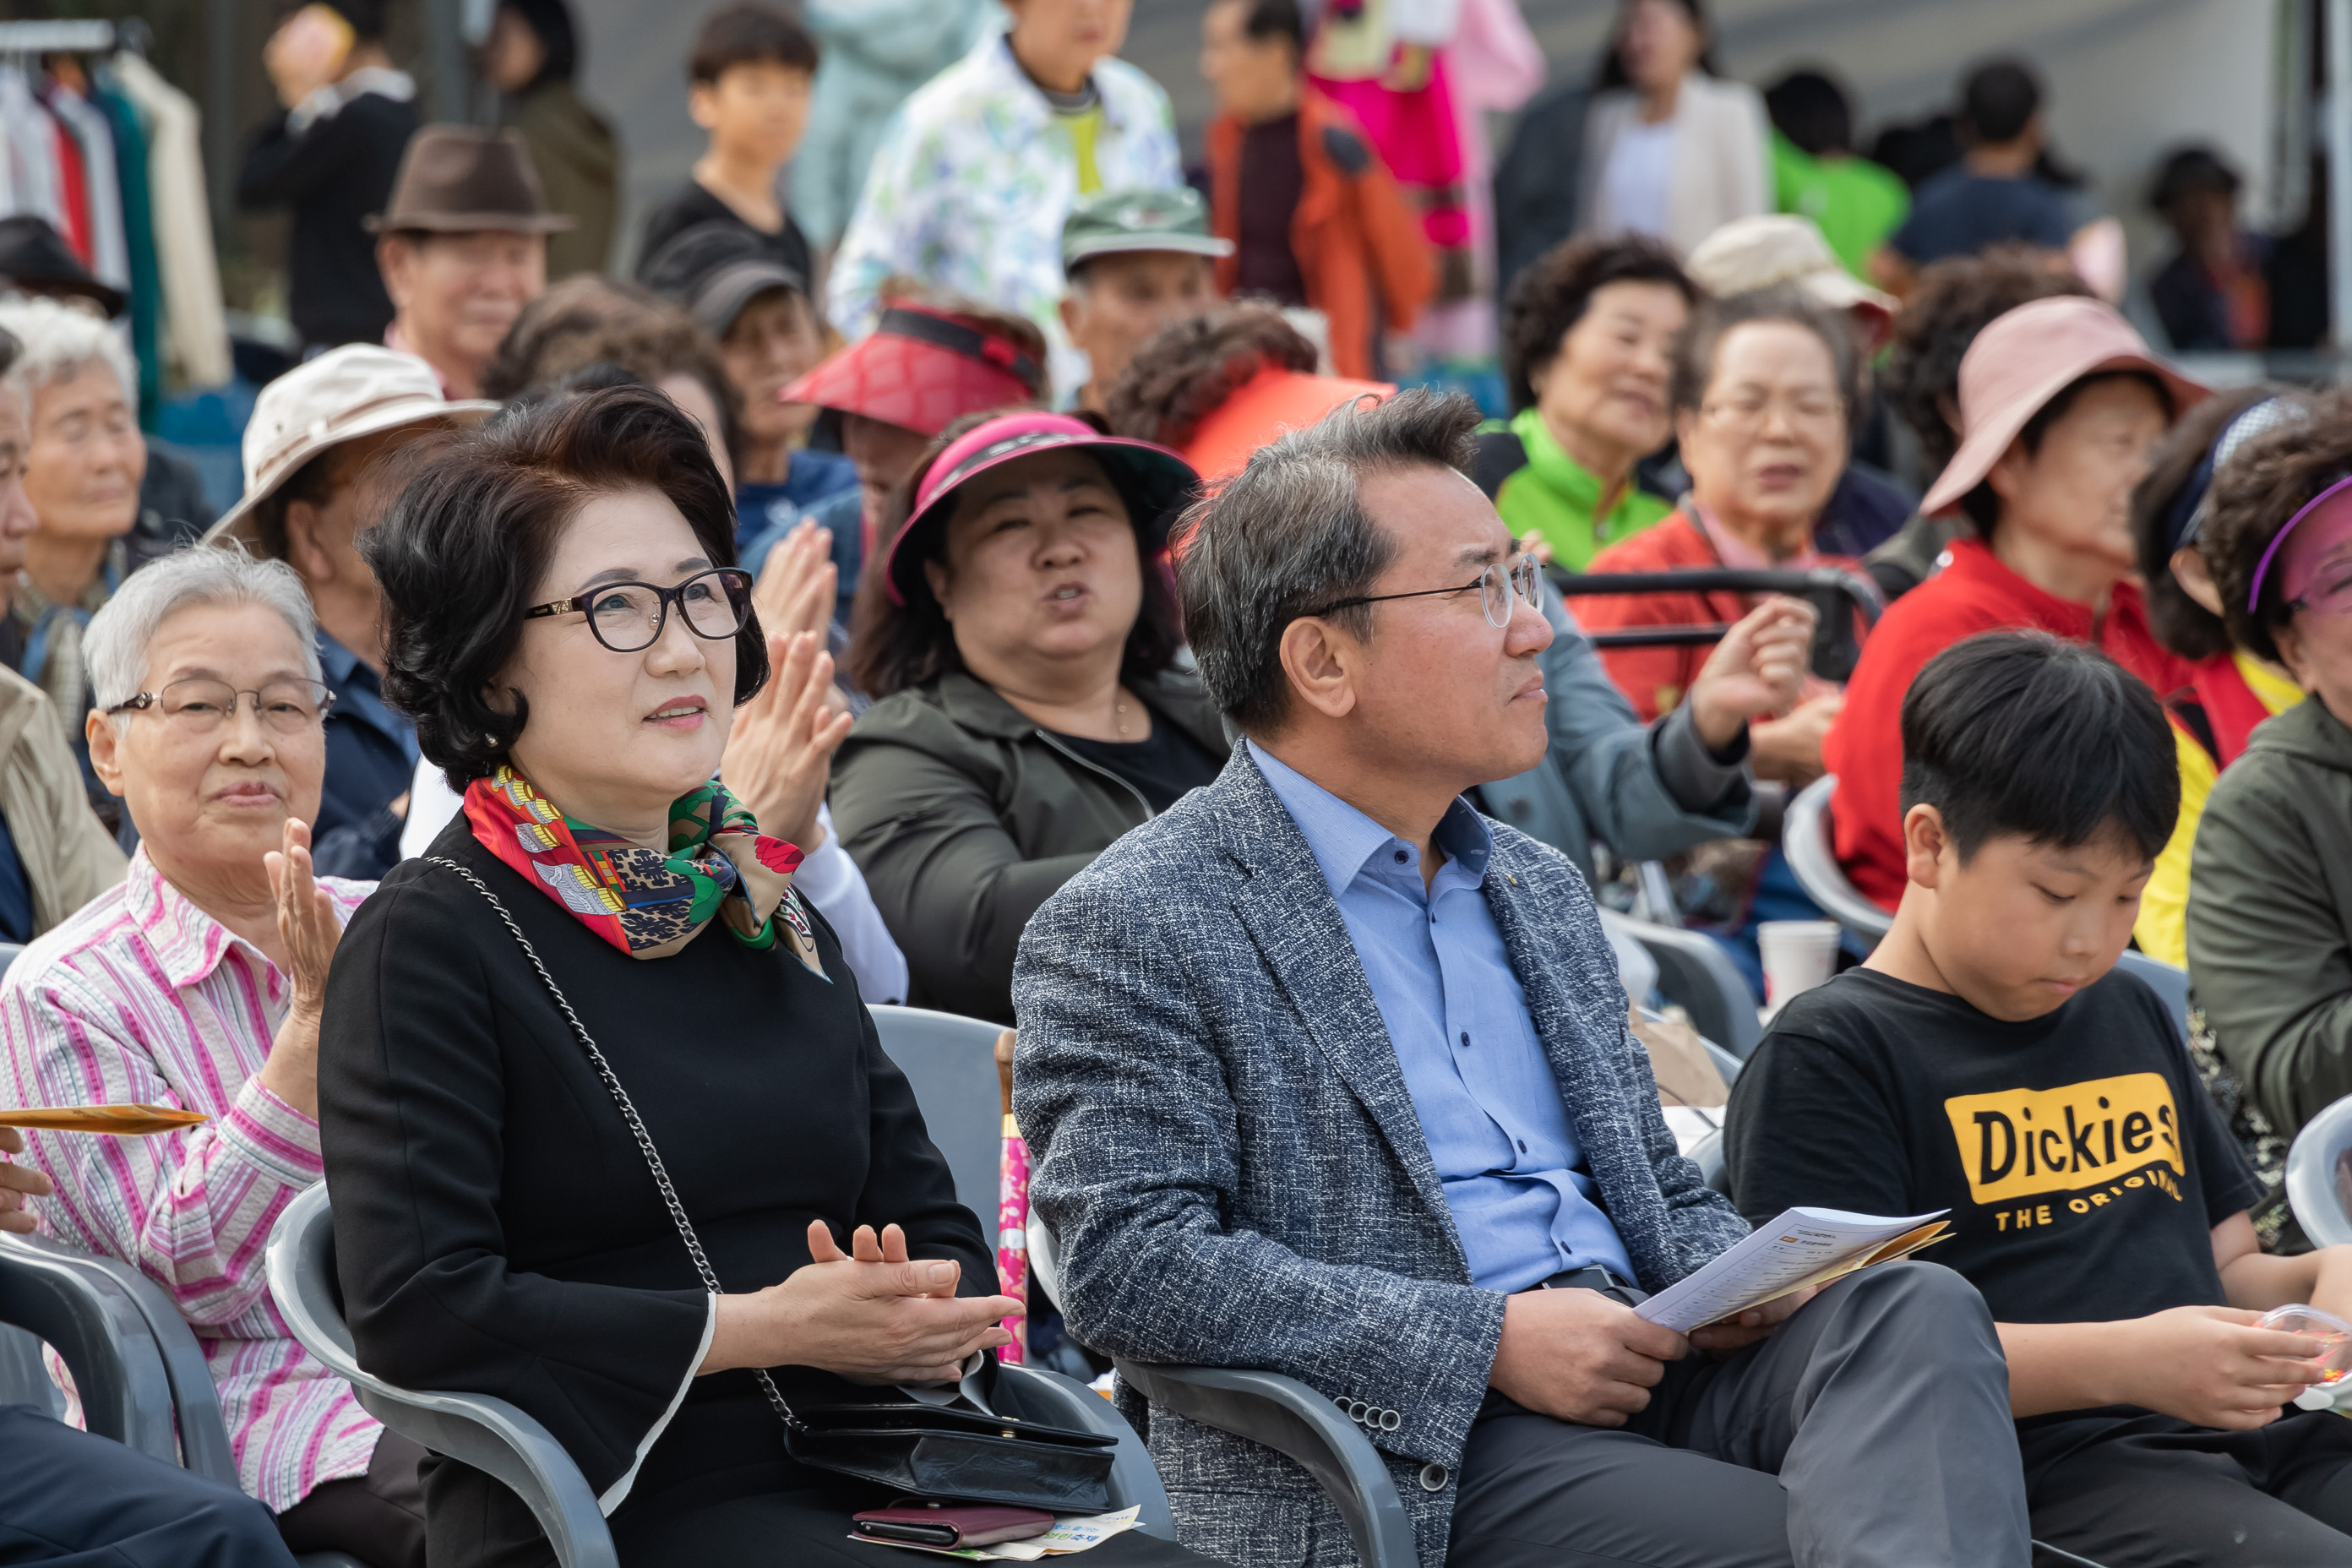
(1998, 100)
(1552, 293)
(1264, 19)
(1812, 112)
(559, 40)
(1981, 505)
(2187, 169)
(749, 34)
(366, 17)
(2024, 733)
(461, 551)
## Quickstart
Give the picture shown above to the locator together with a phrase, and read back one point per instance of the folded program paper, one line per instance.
(1803, 1248)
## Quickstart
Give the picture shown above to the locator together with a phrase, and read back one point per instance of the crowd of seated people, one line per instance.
(1242, 738)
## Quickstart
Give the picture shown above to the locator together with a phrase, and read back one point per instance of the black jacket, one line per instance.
(965, 817)
(338, 172)
(496, 1228)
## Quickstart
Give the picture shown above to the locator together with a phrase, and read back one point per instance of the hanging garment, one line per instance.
(29, 136)
(109, 256)
(146, 288)
(197, 336)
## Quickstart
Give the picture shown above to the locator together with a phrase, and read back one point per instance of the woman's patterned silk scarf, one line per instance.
(646, 904)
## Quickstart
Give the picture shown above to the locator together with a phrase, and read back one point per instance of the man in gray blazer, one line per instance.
(1325, 1073)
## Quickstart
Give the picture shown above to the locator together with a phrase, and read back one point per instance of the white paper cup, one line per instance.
(1798, 955)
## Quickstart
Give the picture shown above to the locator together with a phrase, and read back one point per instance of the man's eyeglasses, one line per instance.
(629, 616)
(1496, 586)
(199, 707)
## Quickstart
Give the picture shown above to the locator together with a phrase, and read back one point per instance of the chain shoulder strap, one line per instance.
(628, 1114)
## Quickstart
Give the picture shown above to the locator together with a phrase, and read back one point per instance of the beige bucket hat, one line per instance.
(343, 395)
(1762, 252)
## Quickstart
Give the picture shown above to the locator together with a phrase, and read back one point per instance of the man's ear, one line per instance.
(702, 104)
(104, 741)
(1320, 663)
(1923, 842)
(1069, 306)
(309, 558)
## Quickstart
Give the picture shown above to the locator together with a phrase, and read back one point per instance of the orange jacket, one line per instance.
(1357, 241)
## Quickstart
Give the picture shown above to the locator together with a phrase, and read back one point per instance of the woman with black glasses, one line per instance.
(1019, 636)
(605, 1122)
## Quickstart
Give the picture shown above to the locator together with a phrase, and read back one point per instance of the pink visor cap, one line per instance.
(2326, 519)
(2025, 358)
(1153, 481)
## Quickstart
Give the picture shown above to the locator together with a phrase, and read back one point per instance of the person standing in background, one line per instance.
(1854, 202)
(978, 173)
(874, 53)
(1671, 149)
(1137, 261)
(1315, 218)
(532, 56)
(464, 249)
(331, 156)
(749, 71)
(2212, 296)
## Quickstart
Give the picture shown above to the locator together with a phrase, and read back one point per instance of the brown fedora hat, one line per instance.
(453, 178)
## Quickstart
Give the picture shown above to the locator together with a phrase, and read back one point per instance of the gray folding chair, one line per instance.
(495, 1437)
(2169, 982)
(2318, 1181)
(1278, 1411)
(1806, 840)
(135, 1363)
(1699, 977)
(950, 1060)
(8, 951)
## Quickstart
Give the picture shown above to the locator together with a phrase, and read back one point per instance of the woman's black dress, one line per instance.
(497, 1231)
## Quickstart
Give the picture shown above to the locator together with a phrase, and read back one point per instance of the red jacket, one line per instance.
(1358, 242)
(1975, 593)
(1654, 679)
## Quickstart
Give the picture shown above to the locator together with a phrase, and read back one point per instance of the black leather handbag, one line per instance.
(935, 1451)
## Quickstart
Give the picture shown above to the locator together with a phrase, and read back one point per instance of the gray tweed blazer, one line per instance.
(1225, 1148)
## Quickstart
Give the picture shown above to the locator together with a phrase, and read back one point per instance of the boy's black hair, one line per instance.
(1998, 100)
(2020, 733)
(1264, 19)
(1812, 112)
(749, 34)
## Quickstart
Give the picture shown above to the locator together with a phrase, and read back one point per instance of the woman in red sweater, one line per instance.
(2061, 403)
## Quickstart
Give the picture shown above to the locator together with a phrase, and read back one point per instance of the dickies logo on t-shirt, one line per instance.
(2020, 1142)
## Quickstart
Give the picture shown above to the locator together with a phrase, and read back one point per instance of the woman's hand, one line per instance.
(306, 916)
(1756, 670)
(871, 1315)
(780, 754)
(308, 932)
(18, 1183)
(1790, 749)
(797, 584)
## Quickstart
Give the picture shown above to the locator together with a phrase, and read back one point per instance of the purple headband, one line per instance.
(2261, 568)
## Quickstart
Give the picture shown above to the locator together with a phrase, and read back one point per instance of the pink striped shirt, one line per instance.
(142, 996)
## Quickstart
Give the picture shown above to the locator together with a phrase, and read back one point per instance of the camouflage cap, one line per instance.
(1111, 222)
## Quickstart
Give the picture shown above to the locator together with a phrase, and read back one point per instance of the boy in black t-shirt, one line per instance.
(1990, 1059)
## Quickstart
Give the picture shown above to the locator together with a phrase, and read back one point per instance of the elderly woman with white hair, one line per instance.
(198, 982)
(82, 470)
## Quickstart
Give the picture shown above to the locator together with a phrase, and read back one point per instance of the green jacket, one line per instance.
(580, 165)
(1540, 488)
(965, 817)
(2270, 914)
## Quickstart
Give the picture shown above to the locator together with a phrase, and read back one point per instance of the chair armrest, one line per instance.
(204, 1434)
(53, 1291)
(1060, 1401)
(1293, 1420)
(496, 1438)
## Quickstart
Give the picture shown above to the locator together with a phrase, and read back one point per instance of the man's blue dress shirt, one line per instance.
(1485, 1092)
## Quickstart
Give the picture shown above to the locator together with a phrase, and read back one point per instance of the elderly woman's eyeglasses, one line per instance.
(629, 616)
(199, 707)
(1496, 586)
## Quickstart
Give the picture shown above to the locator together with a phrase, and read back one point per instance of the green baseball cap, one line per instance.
(1110, 222)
